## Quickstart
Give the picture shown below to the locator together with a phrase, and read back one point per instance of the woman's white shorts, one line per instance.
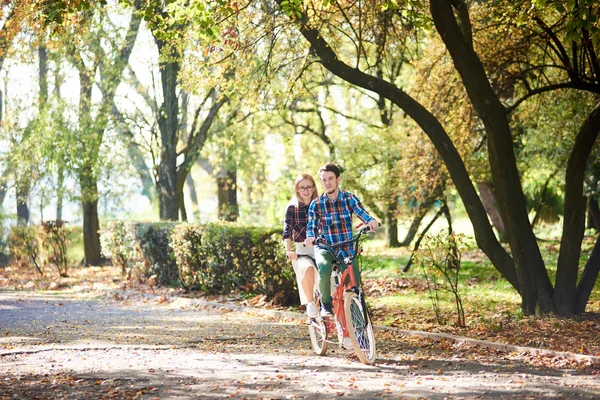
(302, 265)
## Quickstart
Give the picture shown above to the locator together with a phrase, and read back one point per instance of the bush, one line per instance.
(154, 253)
(215, 258)
(225, 257)
(23, 246)
(142, 250)
(118, 241)
(53, 240)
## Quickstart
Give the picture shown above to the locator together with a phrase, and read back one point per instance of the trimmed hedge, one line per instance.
(215, 258)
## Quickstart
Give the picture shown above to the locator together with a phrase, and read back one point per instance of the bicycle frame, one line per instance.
(351, 318)
(347, 280)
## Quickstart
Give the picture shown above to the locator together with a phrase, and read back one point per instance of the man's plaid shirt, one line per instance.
(330, 222)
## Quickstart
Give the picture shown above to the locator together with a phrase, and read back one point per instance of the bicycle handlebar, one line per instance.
(362, 229)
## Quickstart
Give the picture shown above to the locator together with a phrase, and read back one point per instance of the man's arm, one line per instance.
(362, 214)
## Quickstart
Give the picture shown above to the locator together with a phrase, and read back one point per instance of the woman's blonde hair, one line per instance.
(301, 177)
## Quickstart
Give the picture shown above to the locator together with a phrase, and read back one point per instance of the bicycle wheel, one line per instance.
(360, 329)
(318, 335)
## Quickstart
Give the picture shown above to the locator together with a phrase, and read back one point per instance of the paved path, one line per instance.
(52, 345)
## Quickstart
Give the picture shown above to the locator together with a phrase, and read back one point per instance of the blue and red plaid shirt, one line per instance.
(330, 222)
(294, 223)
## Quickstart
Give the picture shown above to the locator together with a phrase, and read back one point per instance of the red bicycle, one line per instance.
(351, 317)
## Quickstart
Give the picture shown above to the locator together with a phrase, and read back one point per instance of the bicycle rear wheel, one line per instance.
(360, 329)
(318, 335)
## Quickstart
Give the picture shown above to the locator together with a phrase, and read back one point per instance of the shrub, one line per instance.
(154, 253)
(53, 240)
(23, 246)
(273, 273)
(186, 242)
(226, 257)
(214, 258)
(118, 239)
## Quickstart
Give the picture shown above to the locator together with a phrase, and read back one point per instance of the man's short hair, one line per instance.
(330, 167)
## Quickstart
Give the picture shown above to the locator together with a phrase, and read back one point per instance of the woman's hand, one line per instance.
(291, 255)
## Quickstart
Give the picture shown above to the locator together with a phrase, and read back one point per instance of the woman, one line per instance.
(294, 234)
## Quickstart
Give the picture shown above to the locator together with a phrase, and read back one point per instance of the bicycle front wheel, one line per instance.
(360, 329)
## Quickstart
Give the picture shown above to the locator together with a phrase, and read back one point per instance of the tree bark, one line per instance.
(22, 203)
(391, 229)
(193, 197)
(588, 279)
(227, 195)
(168, 122)
(91, 222)
(574, 216)
(488, 197)
(593, 213)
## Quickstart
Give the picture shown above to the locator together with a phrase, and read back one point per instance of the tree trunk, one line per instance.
(22, 203)
(567, 266)
(168, 123)
(536, 288)
(193, 197)
(488, 197)
(593, 213)
(421, 212)
(227, 195)
(60, 192)
(180, 198)
(91, 224)
(588, 279)
(391, 230)
(412, 230)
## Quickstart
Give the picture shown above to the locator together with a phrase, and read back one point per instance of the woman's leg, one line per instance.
(308, 283)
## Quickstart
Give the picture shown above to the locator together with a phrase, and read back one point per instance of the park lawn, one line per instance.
(492, 307)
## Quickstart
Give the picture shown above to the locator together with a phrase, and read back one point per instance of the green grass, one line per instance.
(75, 251)
(484, 293)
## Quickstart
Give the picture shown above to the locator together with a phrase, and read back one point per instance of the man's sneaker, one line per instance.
(326, 310)
(311, 310)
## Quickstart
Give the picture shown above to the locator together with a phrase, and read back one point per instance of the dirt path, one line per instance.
(56, 347)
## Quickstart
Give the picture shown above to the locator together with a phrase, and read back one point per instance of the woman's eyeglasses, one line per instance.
(305, 188)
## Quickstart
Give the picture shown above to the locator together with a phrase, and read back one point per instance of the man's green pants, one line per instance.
(324, 261)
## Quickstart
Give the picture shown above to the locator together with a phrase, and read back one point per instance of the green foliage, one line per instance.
(41, 245)
(440, 260)
(53, 236)
(154, 253)
(24, 247)
(226, 257)
(118, 243)
(186, 242)
(213, 258)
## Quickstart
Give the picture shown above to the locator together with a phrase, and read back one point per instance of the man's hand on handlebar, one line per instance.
(373, 225)
(309, 241)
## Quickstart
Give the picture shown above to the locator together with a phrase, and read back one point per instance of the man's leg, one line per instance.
(324, 260)
(356, 272)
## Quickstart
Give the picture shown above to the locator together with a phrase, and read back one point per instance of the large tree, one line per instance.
(100, 61)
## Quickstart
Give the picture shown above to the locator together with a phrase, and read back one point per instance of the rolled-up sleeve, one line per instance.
(359, 210)
(287, 224)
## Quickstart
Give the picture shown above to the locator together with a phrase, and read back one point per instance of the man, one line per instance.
(330, 222)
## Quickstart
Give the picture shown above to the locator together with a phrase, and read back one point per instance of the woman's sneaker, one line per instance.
(311, 310)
